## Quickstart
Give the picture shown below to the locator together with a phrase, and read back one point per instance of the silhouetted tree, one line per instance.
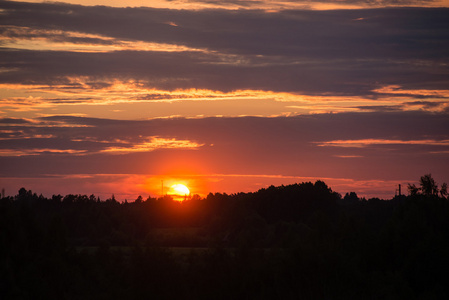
(56, 198)
(285, 242)
(413, 189)
(24, 195)
(69, 198)
(428, 185)
(351, 197)
(443, 190)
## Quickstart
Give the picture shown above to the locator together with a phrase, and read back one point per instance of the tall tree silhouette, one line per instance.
(428, 185)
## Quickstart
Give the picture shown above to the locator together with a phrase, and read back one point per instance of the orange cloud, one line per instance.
(21, 135)
(77, 95)
(26, 38)
(268, 5)
(25, 152)
(153, 144)
(398, 90)
(369, 142)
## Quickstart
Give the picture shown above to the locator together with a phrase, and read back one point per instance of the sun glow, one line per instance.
(179, 190)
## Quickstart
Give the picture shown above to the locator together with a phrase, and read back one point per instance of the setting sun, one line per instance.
(180, 189)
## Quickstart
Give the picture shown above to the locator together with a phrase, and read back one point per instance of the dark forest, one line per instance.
(300, 241)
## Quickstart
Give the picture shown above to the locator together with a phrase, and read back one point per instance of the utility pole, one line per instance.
(399, 189)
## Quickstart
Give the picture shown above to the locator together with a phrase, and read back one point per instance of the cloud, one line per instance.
(133, 99)
(282, 144)
(49, 136)
(310, 52)
(383, 146)
(372, 142)
(39, 144)
(269, 5)
(187, 70)
(151, 91)
(27, 38)
(15, 152)
(154, 143)
(289, 4)
(329, 34)
(422, 93)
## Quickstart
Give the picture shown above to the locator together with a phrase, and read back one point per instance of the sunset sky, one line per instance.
(115, 97)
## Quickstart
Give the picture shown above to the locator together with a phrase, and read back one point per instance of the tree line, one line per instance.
(296, 241)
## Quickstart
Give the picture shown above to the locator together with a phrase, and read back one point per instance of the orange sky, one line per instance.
(222, 96)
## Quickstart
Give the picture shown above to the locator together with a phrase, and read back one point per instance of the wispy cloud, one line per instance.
(269, 5)
(398, 90)
(84, 93)
(154, 143)
(281, 51)
(31, 143)
(26, 38)
(371, 142)
(28, 152)
(333, 89)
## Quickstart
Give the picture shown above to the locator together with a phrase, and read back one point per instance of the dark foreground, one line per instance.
(295, 242)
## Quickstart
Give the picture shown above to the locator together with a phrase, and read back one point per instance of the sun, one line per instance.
(180, 189)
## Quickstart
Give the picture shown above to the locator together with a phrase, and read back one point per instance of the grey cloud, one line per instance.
(244, 3)
(48, 143)
(426, 104)
(284, 145)
(384, 33)
(13, 121)
(15, 33)
(347, 52)
(254, 131)
(405, 125)
(193, 70)
(381, 108)
(440, 105)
